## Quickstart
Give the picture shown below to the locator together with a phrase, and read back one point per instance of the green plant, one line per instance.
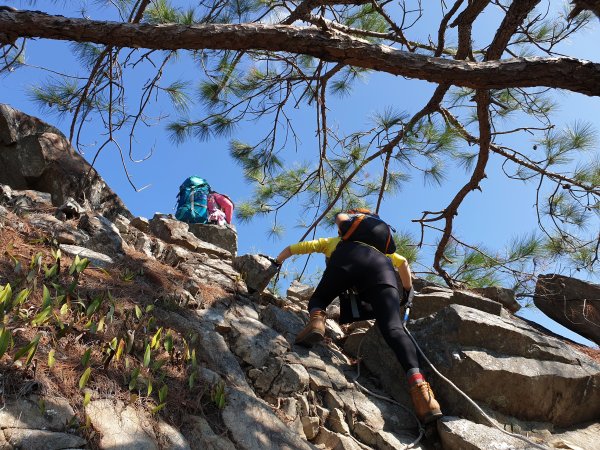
(128, 275)
(29, 350)
(56, 302)
(218, 394)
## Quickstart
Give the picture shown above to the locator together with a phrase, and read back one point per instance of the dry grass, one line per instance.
(138, 281)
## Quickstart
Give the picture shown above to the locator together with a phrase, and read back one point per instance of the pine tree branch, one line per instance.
(563, 73)
(516, 14)
(464, 21)
(305, 7)
(556, 177)
(444, 25)
(432, 105)
(393, 25)
(391, 36)
(483, 115)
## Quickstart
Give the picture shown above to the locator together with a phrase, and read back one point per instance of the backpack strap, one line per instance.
(387, 243)
(192, 190)
(355, 223)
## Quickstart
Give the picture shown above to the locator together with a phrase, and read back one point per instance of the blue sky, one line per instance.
(502, 211)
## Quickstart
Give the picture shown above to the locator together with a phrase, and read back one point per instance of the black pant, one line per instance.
(372, 273)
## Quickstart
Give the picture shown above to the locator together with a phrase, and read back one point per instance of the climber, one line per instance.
(353, 263)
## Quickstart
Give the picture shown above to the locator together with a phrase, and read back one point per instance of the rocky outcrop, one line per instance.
(224, 236)
(501, 295)
(38, 422)
(173, 231)
(461, 434)
(257, 270)
(573, 303)
(432, 301)
(346, 394)
(501, 363)
(37, 156)
(121, 426)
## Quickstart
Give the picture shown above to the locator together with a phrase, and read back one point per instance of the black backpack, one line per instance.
(368, 228)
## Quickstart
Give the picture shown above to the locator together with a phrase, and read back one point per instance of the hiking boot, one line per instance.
(314, 332)
(425, 404)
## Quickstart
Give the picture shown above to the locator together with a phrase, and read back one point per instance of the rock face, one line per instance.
(37, 156)
(121, 426)
(347, 393)
(433, 301)
(503, 363)
(173, 231)
(500, 295)
(459, 434)
(279, 395)
(23, 424)
(257, 270)
(573, 303)
(224, 236)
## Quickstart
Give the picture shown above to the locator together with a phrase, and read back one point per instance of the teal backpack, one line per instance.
(192, 200)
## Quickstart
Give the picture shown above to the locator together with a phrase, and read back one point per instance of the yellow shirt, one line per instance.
(328, 245)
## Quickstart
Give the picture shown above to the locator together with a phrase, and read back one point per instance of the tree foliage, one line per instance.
(262, 60)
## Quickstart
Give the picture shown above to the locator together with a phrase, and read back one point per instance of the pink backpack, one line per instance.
(221, 202)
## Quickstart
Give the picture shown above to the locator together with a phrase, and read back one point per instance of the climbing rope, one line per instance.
(331, 346)
(388, 399)
(437, 372)
(457, 389)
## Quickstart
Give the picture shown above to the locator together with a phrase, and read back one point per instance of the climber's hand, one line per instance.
(407, 296)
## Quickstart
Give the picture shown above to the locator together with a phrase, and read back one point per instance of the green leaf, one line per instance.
(193, 359)
(157, 408)
(138, 312)
(5, 295)
(93, 307)
(42, 316)
(147, 355)
(82, 265)
(51, 272)
(36, 260)
(220, 401)
(111, 311)
(192, 379)
(162, 393)
(46, 297)
(101, 324)
(64, 309)
(86, 398)
(85, 359)
(91, 326)
(156, 338)
(120, 349)
(21, 297)
(5, 340)
(56, 254)
(51, 359)
(149, 388)
(134, 377)
(85, 377)
(32, 350)
(74, 264)
(28, 350)
(168, 343)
